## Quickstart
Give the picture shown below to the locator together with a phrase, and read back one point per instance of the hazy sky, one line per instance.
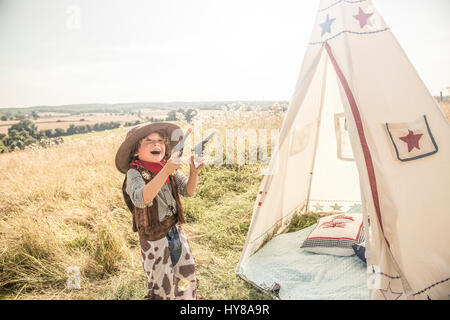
(56, 52)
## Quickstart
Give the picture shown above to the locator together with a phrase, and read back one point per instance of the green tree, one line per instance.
(49, 132)
(171, 116)
(81, 129)
(19, 139)
(34, 115)
(3, 148)
(41, 135)
(19, 116)
(59, 132)
(25, 125)
(71, 130)
(189, 114)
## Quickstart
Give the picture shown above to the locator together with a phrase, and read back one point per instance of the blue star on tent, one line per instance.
(388, 294)
(318, 207)
(326, 25)
(336, 207)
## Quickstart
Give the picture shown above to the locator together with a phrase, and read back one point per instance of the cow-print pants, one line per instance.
(165, 280)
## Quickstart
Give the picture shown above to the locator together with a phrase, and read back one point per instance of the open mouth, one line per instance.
(155, 152)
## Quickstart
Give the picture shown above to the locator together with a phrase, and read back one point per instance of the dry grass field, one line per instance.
(62, 207)
(445, 106)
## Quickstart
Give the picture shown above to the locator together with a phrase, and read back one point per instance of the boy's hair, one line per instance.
(136, 146)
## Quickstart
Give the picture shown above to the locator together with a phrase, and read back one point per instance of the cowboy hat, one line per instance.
(123, 155)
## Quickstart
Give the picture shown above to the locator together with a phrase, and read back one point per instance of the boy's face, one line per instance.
(152, 148)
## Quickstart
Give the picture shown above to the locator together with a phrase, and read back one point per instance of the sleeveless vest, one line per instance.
(146, 220)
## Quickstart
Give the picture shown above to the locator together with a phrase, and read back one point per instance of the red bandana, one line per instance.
(154, 167)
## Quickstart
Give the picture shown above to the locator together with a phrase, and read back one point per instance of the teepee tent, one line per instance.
(361, 130)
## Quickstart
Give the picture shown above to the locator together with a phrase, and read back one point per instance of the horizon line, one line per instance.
(146, 102)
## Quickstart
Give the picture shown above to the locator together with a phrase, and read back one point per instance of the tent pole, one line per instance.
(362, 138)
(322, 98)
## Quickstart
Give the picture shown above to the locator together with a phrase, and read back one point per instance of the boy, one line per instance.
(151, 191)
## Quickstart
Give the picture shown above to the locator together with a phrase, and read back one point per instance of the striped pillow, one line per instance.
(336, 234)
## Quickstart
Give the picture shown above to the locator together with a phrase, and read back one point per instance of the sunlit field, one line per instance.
(62, 206)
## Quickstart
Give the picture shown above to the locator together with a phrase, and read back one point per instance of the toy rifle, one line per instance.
(200, 147)
(180, 145)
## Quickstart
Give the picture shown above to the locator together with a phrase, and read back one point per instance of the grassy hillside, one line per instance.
(63, 207)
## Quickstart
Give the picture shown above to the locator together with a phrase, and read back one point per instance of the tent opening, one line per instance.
(334, 184)
(320, 150)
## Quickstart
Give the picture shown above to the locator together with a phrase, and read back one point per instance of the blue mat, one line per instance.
(304, 275)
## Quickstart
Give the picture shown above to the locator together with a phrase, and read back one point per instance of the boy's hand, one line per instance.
(192, 164)
(173, 163)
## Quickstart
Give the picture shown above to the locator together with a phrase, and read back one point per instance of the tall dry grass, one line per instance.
(60, 207)
(445, 106)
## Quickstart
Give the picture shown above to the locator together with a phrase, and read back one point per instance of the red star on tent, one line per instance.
(412, 140)
(362, 17)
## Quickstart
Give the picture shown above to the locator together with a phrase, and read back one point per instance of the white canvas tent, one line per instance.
(362, 127)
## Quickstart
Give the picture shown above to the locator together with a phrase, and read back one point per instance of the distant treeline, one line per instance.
(5, 116)
(25, 133)
(125, 108)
